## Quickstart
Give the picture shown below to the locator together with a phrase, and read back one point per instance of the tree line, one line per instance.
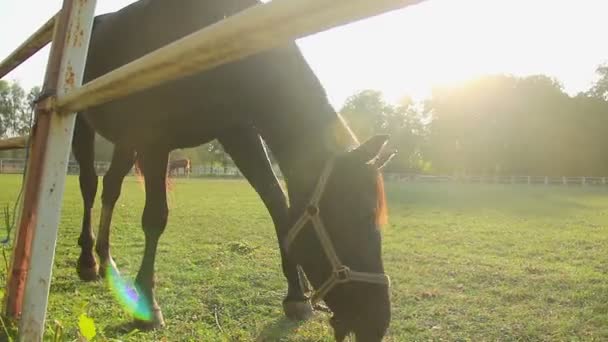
(491, 125)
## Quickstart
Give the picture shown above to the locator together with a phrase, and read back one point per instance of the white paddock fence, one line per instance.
(17, 166)
(530, 180)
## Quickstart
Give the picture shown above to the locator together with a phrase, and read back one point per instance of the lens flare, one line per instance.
(128, 295)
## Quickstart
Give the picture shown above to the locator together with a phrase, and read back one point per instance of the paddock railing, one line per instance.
(8, 166)
(529, 180)
(254, 30)
(13, 143)
(17, 166)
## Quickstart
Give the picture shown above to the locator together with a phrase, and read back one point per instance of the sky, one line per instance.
(408, 52)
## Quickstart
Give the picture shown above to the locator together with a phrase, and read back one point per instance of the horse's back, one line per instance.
(192, 110)
(147, 25)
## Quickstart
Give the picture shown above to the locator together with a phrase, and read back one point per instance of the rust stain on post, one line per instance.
(77, 34)
(79, 37)
(70, 78)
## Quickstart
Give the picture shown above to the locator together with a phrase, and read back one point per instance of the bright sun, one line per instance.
(445, 41)
(407, 52)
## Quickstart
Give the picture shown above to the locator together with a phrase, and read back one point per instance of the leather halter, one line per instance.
(340, 273)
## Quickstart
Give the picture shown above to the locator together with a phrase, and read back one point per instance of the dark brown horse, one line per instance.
(335, 188)
(180, 164)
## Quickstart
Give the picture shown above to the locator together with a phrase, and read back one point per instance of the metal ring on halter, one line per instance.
(342, 274)
(312, 210)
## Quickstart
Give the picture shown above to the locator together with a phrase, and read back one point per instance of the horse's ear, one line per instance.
(370, 149)
(384, 158)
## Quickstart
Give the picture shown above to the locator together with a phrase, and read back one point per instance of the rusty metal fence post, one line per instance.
(44, 184)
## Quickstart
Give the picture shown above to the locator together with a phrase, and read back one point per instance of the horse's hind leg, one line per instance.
(248, 153)
(122, 162)
(83, 147)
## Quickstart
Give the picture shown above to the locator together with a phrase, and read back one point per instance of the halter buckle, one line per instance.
(342, 274)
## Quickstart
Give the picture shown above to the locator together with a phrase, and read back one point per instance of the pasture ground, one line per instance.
(467, 262)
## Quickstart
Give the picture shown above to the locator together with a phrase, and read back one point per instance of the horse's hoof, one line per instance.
(88, 273)
(298, 310)
(156, 322)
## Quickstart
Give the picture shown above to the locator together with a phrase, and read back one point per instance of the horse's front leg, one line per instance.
(248, 153)
(154, 220)
(83, 147)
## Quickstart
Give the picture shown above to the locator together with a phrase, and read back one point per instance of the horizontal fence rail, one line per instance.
(33, 44)
(545, 180)
(13, 165)
(16, 165)
(8, 166)
(253, 30)
(13, 143)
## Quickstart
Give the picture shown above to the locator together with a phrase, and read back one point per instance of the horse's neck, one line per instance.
(303, 143)
(298, 123)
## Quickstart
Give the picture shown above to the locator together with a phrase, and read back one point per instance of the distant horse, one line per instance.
(335, 190)
(180, 164)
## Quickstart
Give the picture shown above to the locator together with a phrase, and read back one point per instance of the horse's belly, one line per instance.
(160, 118)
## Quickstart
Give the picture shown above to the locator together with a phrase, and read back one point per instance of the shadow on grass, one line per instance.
(279, 328)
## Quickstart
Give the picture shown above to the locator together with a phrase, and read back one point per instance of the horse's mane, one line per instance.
(381, 208)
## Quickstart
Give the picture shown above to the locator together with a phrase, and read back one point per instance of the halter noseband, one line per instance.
(340, 273)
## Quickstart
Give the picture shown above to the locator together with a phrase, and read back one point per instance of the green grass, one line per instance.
(467, 262)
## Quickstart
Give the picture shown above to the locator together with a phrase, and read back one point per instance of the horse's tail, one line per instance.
(169, 182)
(140, 176)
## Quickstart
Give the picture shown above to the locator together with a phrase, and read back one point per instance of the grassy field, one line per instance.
(467, 262)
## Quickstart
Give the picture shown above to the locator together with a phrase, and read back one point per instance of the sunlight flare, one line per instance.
(128, 295)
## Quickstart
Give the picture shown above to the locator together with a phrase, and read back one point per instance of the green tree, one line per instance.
(367, 113)
(507, 125)
(600, 87)
(15, 110)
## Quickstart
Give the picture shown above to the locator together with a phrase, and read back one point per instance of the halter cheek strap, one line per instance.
(340, 273)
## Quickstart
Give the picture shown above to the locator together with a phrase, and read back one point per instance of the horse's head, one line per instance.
(345, 267)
